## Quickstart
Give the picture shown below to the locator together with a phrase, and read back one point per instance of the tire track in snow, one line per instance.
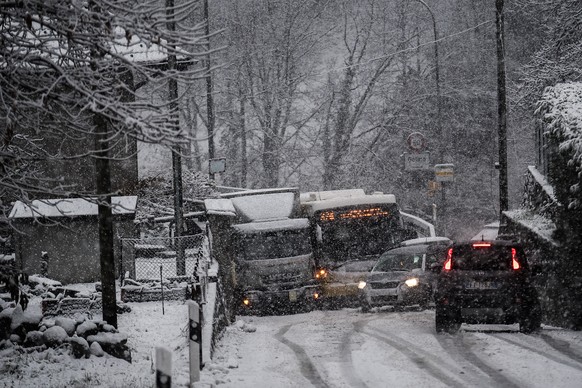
(458, 345)
(307, 368)
(349, 371)
(423, 360)
(562, 347)
(567, 362)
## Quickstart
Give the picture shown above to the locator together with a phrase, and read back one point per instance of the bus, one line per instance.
(349, 230)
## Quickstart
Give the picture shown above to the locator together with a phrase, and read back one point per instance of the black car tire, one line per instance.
(447, 320)
(530, 319)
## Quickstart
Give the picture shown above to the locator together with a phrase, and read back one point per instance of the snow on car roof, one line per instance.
(70, 207)
(425, 240)
(273, 225)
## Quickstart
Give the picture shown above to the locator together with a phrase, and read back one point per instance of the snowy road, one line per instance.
(346, 348)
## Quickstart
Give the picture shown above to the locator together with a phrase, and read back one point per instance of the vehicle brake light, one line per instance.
(481, 245)
(514, 263)
(449, 262)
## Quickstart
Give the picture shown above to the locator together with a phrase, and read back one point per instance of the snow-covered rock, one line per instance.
(79, 347)
(68, 324)
(87, 328)
(114, 344)
(96, 349)
(55, 336)
(24, 321)
(34, 338)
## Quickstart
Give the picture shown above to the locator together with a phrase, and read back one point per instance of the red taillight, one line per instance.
(449, 262)
(514, 263)
(481, 245)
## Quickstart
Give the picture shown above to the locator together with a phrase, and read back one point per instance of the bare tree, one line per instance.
(68, 91)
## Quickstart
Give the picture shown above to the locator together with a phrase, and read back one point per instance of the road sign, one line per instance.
(415, 162)
(216, 165)
(416, 141)
(444, 172)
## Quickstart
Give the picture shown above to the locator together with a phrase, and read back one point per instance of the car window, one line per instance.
(399, 261)
(482, 259)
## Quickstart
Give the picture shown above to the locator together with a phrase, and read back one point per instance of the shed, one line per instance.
(67, 230)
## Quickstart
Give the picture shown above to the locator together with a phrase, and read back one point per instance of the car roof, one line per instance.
(495, 243)
(425, 240)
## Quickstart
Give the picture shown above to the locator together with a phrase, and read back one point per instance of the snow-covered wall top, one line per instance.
(265, 206)
(273, 226)
(561, 109)
(70, 207)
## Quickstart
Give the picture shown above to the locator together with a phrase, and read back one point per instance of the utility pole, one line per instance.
(176, 149)
(501, 109)
(209, 98)
(103, 191)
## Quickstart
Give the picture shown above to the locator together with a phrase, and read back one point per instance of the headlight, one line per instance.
(321, 274)
(361, 284)
(413, 282)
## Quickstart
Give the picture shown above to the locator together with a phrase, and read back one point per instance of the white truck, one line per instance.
(263, 249)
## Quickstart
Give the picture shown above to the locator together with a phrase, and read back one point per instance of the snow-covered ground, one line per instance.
(346, 348)
(342, 348)
(146, 327)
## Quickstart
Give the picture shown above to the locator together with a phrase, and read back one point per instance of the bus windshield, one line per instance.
(356, 232)
(274, 245)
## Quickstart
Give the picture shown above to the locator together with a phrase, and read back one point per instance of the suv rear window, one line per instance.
(493, 258)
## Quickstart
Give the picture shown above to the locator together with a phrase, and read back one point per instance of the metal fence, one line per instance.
(169, 258)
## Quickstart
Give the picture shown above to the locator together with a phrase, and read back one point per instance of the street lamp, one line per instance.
(442, 142)
(437, 74)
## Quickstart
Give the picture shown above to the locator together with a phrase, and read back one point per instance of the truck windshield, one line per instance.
(352, 233)
(275, 245)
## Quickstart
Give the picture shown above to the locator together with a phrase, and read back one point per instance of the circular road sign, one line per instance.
(416, 141)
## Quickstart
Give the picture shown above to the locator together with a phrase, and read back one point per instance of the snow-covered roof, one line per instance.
(273, 225)
(220, 206)
(70, 207)
(356, 200)
(325, 195)
(265, 206)
(561, 109)
(246, 192)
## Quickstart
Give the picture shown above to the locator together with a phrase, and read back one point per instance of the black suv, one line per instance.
(486, 282)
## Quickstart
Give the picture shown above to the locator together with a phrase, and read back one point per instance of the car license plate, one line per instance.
(293, 296)
(483, 285)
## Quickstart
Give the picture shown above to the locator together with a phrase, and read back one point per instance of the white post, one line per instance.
(195, 340)
(163, 368)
